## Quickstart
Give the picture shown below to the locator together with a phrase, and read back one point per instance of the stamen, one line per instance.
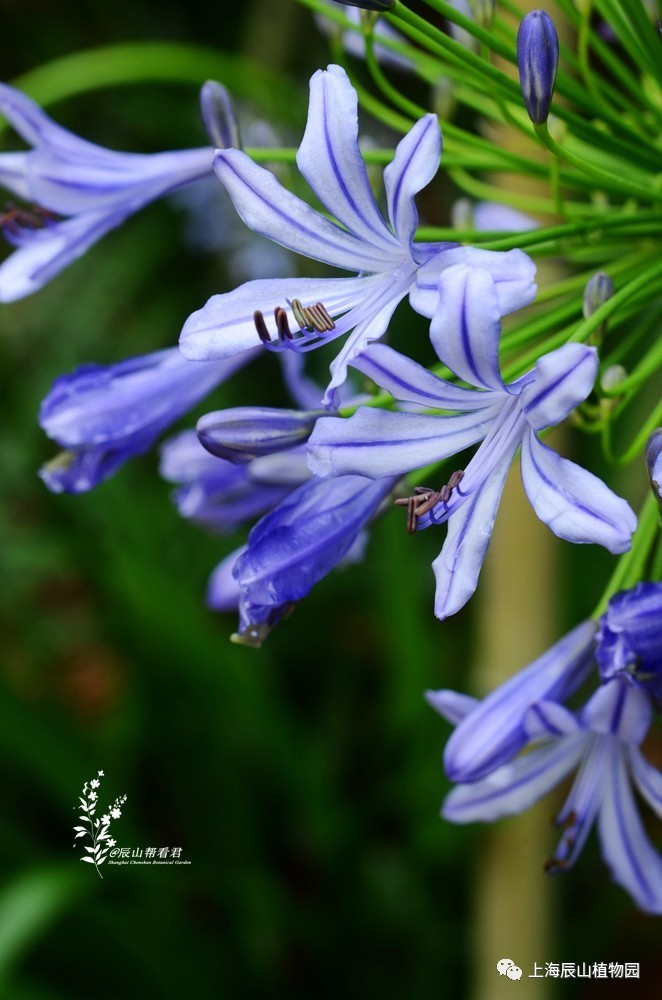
(261, 327)
(284, 332)
(425, 498)
(312, 318)
(30, 218)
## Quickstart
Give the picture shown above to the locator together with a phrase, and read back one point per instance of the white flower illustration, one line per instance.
(96, 829)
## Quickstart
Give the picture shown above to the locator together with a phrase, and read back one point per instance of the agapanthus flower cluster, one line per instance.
(600, 740)
(448, 363)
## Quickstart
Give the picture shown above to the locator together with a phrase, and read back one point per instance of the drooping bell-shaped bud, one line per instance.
(219, 116)
(244, 433)
(537, 59)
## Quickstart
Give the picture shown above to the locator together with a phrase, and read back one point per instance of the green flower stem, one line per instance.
(639, 442)
(631, 566)
(377, 108)
(656, 567)
(608, 181)
(425, 67)
(618, 71)
(435, 41)
(491, 192)
(565, 85)
(649, 364)
(489, 157)
(618, 226)
(458, 56)
(484, 35)
(415, 111)
(627, 339)
(630, 84)
(635, 33)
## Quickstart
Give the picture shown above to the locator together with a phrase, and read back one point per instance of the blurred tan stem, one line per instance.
(513, 898)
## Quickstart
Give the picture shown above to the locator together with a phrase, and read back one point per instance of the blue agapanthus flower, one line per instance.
(601, 741)
(220, 495)
(630, 638)
(575, 504)
(298, 543)
(77, 191)
(306, 526)
(102, 415)
(282, 312)
(253, 465)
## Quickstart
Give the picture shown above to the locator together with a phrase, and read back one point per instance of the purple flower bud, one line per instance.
(243, 433)
(598, 289)
(297, 544)
(219, 116)
(101, 415)
(537, 59)
(629, 641)
(654, 462)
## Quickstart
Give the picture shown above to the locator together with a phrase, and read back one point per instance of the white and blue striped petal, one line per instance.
(573, 502)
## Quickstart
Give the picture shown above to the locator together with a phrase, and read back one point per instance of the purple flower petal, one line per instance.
(271, 210)
(379, 443)
(512, 270)
(633, 861)
(459, 563)
(407, 380)
(562, 380)
(618, 709)
(330, 160)
(647, 779)
(225, 325)
(415, 163)
(500, 726)
(466, 327)
(516, 786)
(223, 593)
(574, 503)
(298, 543)
(451, 705)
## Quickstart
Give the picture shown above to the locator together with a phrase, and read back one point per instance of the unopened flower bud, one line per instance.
(219, 116)
(244, 433)
(598, 289)
(654, 462)
(537, 59)
(629, 639)
(378, 5)
(612, 377)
